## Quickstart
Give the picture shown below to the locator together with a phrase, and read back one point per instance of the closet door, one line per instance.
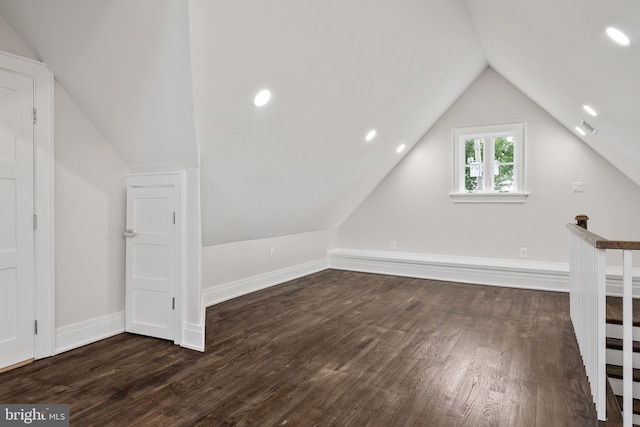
(151, 261)
(17, 286)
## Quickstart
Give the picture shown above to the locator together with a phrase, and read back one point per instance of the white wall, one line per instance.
(412, 205)
(89, 202)
(12, 43)
(222, 264)
(126, 64)
(89, 218)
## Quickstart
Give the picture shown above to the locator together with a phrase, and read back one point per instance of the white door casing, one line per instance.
(153, 257)
(17, 293)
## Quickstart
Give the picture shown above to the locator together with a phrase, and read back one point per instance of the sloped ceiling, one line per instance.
(336, 70)
(125, 63)
(155, 76)
(558, 54)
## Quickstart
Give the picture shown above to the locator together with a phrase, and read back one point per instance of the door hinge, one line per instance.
(35, 222)
(35, 327)
(174, 218)
(35, 116)
(173, 303)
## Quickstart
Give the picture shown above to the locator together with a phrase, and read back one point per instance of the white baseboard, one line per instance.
(193, 336)
(92, 330)
(614, 282)
(216, 294)
(483, 271)
(539, 275)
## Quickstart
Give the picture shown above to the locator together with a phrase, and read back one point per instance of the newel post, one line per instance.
(582, 221)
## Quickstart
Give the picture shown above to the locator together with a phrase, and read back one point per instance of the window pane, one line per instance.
(504, 149)
(470, 182)
(474, 149)
(503, 180)
(474, 167)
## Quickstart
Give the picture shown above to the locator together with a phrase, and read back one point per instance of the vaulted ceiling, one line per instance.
(171, 83)
(337, 70)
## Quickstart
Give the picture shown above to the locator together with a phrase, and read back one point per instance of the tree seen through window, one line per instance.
(501, 165)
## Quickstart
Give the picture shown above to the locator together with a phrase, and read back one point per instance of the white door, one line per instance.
(17, 335)
(150, 261)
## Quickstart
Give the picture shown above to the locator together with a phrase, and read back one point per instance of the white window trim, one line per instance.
(459, 194)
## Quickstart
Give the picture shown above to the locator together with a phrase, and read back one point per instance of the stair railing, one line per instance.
(588, 310)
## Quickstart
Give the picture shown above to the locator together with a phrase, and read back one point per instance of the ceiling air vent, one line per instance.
(589, 128)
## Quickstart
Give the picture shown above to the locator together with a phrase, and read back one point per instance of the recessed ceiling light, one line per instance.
(590, 110)
(618, 36)
(400, 148)
(262, 98)
(370, 135)
(580, 131)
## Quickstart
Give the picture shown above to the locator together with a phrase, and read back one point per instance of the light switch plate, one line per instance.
(577, 187)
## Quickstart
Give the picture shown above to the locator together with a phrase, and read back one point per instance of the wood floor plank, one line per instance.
(331, 349)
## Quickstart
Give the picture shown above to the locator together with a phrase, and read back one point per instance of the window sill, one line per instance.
(518, 198)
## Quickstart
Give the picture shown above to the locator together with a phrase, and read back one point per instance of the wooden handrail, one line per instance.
(619, 244)
(602, 243)
(588, 236)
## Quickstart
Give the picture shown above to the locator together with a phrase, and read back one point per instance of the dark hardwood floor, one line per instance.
(335, 348)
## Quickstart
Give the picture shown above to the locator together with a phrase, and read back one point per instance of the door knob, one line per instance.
(129, 233)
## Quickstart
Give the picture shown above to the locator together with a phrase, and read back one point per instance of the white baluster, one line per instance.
(627, 339)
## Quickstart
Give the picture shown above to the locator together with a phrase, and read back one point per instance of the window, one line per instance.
(489, 164)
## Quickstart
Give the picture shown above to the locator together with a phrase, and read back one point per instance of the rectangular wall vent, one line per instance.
(589, 128)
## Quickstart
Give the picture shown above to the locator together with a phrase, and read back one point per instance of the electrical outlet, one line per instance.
(393, 244)
(523, 252)
(272, 252)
